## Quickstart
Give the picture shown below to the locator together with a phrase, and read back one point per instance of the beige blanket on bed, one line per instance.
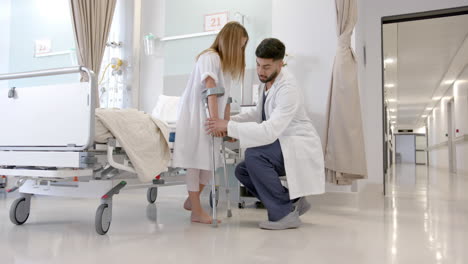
(144, 139)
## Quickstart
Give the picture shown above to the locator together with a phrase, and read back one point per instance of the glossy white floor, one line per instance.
(424, 219)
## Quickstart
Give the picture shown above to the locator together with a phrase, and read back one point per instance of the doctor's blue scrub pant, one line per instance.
(260, 172)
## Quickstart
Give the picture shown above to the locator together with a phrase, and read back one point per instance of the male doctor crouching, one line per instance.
(279, 140)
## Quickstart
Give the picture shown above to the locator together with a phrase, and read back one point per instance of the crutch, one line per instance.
(218, 91)
(226, 179)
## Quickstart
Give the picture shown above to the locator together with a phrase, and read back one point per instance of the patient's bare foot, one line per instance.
(202, 218)
(188, 204)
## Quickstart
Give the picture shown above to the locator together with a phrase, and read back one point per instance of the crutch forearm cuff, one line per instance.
(218, 91)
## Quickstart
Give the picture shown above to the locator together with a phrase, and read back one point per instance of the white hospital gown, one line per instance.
(192, 147)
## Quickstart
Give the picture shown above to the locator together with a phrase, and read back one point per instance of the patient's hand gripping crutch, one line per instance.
(218, 91)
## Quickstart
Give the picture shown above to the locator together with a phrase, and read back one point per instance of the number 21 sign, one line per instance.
(214, 22)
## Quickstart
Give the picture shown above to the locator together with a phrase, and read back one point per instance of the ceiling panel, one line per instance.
(423, 50)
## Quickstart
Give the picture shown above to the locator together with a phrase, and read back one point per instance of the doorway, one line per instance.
(423, 57)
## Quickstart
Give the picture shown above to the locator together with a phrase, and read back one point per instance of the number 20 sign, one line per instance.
(216, 21)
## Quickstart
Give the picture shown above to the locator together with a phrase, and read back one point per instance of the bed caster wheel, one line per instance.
(103, 219)
(19, 211)
(152, 194)
(211, 198)
(241, 205)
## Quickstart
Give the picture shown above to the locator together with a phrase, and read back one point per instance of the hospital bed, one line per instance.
(47, 144)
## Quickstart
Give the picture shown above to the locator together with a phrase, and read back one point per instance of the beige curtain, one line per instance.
(91, 23)
(345, 159)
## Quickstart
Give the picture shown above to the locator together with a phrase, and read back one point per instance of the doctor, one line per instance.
(279, 140)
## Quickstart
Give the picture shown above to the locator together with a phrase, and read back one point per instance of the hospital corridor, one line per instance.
(219, 131)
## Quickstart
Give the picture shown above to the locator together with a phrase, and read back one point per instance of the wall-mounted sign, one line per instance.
(42, 47)
(214, 22)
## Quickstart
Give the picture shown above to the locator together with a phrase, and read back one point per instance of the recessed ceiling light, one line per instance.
(392, 100)
(449, 82)
(393, 117)
(436, 98)
(392, 110)
(389, 85)
(447, 98)
(424, 116)
(429, 108)
(389, 61)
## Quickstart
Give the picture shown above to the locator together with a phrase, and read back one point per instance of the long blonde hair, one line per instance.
(228, 44)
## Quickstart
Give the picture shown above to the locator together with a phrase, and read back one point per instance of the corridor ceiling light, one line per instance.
(448, 82)
(436, 98)
(392, 110)
(429, 108)
(392, 100)
(389, 61)
(389, 85)
(424, 116)
(393, 117)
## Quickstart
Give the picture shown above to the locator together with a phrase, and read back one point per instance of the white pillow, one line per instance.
(166, 109)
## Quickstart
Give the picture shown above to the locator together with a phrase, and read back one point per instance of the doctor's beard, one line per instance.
(269, 78)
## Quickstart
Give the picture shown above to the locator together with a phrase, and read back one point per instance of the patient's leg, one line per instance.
(187, 204)
(196, 180)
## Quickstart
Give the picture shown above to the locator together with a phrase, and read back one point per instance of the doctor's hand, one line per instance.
(216, 127)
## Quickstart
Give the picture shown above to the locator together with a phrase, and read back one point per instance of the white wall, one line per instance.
(462, 158)
(33, 20)
(460, 96)
(151, 67)
(439, 159)
(437, 127)
(308, 29)
(460, 92)
(5, 6)
(421, 130)
(368, 33)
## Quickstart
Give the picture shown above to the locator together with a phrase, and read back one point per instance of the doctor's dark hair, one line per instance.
(271, 48)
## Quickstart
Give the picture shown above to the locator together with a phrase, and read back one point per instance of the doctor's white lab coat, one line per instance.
(287, 121)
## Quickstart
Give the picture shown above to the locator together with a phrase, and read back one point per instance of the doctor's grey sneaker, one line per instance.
(302, 205)
(290, 221)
